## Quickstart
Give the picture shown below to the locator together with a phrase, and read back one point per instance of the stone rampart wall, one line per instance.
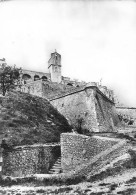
(46, 89)
(85, 105)
(96, 111)
(78, 106)
(128, 112)
(78, 149)
(106, 114)
(34, 88)
(23, 161)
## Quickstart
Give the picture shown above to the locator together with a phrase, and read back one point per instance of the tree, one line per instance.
(9, 77)
(78, 124)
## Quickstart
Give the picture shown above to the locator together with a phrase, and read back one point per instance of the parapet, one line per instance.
(92, 84)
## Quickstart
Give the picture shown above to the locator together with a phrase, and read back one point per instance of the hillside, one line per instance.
(27, 119)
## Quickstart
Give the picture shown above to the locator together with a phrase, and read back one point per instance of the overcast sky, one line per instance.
(97, 39)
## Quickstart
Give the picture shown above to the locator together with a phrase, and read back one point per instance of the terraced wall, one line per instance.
(28, 160)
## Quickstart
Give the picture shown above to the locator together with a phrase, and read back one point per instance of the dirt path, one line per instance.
(124, 183)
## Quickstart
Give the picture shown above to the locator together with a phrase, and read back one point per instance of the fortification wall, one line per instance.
(107, 118)
(78, 149)
(23, 161)
(76, 106)
(128, 111)
(45, 89)
(34, 88)
(96, 111)
(50, 89)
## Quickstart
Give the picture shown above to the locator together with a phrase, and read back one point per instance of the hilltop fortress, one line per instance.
(52, 85)
(91, 112)
(89, 102)
(33, 81)
(53, 75)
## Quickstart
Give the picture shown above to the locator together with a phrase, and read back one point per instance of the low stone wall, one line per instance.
(28, 160)
(78, 149)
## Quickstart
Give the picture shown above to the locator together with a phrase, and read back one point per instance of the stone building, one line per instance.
(37, 83)
(53, 75)
(89, 107)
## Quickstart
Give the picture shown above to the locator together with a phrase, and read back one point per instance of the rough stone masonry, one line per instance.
(97, 111)
(77, 149)
(27, 160)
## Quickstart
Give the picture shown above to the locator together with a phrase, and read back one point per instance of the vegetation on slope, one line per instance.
(27, 119)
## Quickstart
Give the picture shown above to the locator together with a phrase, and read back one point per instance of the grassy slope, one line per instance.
(26, 119)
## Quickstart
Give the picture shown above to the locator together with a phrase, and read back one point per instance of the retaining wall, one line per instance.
(94, 165)
(78, 149)
(28, 160)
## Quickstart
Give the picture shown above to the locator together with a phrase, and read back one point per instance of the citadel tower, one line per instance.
(54, 66)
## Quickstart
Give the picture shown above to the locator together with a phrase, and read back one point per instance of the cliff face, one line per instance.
(27, 119)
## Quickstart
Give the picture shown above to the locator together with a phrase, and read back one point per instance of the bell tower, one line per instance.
(54, 66)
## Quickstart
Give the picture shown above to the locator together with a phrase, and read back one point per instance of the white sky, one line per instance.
(97, 39)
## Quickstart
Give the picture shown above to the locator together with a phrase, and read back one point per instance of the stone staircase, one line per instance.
(56, 168)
